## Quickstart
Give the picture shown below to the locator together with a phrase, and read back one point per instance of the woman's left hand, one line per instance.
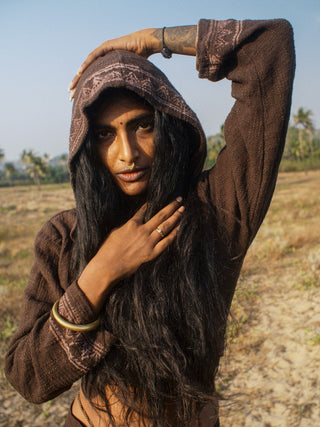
(143, 42)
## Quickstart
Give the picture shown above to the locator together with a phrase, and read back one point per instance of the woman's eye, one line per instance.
(145, 125)
(103, 134)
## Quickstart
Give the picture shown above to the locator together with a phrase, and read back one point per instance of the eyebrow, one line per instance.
(129, 123)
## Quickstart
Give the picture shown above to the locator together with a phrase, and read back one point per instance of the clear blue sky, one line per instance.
(42, 44)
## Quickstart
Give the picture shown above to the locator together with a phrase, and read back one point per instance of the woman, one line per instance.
(131, 290)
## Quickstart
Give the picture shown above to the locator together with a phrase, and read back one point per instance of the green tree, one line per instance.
(292, 147)
(304, 124)
(36, 166)
(215, 144)
(10, 170)
(1, 155)
(63, 159)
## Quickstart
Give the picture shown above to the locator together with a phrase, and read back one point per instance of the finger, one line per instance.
(139, 215)
(167, 226)
(165, 242)
(160, 232)
(72, 95)
(77, 77)
(95, 54)
(74, 83)
(90, 59)
(164, 214)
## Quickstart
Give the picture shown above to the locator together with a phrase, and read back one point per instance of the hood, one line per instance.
(123, 69)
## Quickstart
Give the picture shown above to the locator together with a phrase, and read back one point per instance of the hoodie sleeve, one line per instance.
(259, 59)
(44, 359)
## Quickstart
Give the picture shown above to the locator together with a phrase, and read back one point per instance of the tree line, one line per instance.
(301, 152)
(35, 170)
(302, 148)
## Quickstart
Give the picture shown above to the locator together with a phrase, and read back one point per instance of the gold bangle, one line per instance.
(77, 328)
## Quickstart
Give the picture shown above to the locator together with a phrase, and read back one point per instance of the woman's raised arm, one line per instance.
(180, 40)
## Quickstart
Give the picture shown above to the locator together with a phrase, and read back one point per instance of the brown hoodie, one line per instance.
(44, 359)
(123, 69)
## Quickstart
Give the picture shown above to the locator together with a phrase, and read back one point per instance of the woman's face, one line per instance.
(123, 130)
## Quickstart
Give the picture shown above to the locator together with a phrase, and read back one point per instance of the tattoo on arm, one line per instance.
(181, 40)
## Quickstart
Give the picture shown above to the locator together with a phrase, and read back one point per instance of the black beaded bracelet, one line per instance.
(165, 51)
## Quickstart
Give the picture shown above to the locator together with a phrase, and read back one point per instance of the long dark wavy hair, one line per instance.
(168, 319)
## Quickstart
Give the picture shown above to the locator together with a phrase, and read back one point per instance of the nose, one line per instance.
(128, 149)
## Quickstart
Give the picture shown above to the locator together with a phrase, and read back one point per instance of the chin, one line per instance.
(134, 192)
(132, 189)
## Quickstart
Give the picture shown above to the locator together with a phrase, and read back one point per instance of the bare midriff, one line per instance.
(100, 418)
(97, 418)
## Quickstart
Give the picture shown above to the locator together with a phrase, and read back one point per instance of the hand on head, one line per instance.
(141, 42)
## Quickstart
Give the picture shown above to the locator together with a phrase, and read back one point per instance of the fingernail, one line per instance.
(69, 87)
(179, 199)
(181, 209)
(71, 97)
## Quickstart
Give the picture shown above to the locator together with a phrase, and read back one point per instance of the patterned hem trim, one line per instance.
(131, 76)
(220, 38)
(81, 351)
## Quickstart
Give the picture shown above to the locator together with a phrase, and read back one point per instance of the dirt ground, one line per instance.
(270, 373)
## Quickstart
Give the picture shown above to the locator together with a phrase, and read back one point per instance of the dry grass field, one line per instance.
(270, 373)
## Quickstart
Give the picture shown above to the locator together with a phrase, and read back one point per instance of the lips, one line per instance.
(132, 176)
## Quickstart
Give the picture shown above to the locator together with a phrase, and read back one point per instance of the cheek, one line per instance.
(149, 149)
(101, 153)
(105, 154)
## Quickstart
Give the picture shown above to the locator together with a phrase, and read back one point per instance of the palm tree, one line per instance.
(36, 166)
(303, 122)
(10, 170)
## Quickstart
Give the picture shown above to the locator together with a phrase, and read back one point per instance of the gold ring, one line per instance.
(160, 232)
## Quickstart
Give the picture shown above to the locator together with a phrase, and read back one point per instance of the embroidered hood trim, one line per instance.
(123, 69)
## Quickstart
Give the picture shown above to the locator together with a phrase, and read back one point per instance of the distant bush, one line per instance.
(298, 165)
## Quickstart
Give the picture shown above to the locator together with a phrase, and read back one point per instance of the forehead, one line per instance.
(118, 103)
